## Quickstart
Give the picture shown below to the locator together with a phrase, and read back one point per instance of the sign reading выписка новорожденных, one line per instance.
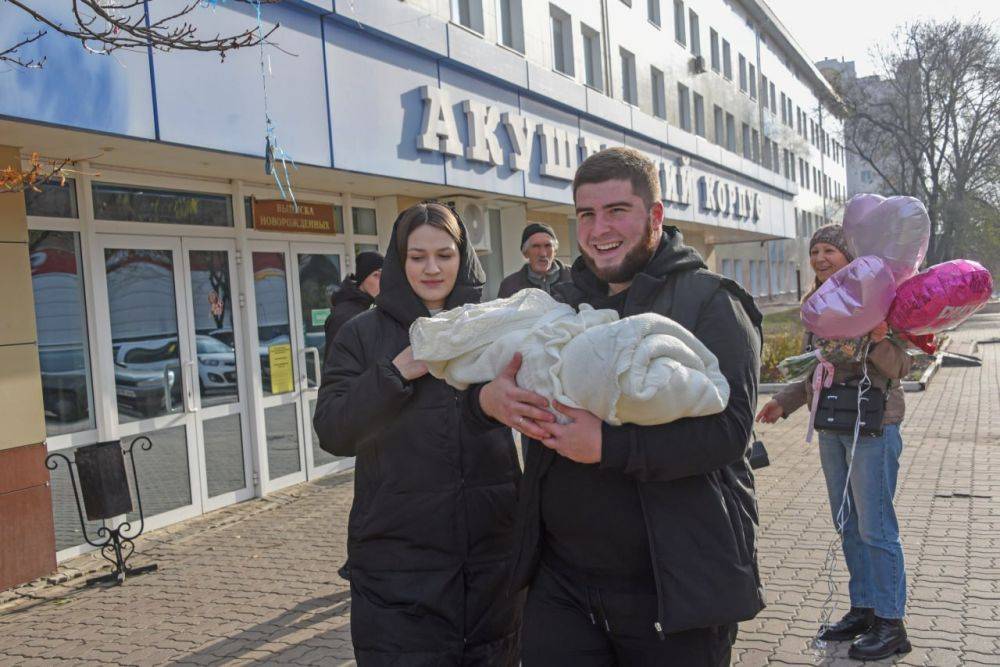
(559, 153)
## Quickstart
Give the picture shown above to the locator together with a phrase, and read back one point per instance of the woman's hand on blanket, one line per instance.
(580, 440)
(408, 367)
(518, 408)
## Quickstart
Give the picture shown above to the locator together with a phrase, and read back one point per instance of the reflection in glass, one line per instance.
(281, 426)
(164, 476)
(223, 455)
(215, 341)
(53, 200)
(365, 247)
(60, 318)
(64, 512)
(364, 221)
(144, 332)
(273, 330)
(319, 278)
(117, 202)
(320, 456)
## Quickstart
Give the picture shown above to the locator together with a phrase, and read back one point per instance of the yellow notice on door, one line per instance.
(280, 361)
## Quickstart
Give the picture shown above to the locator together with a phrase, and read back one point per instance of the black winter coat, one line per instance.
(430, 532)
(348, 302)
(692, 475)
(518, 280)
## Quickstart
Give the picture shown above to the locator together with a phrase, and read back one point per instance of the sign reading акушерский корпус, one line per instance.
(560, 154)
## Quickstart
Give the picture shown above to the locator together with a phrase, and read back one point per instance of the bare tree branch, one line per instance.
(11, 56)
(103, 26)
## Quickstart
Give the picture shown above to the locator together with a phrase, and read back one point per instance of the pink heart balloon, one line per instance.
(941, 297)
(851, 302)
(858, 207)
(896, 229)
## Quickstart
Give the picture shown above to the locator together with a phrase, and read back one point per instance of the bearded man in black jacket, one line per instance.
(637, 543)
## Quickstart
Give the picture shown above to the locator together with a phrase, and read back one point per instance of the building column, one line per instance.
(27, 538)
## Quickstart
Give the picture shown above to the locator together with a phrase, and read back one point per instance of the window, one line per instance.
(747, 151)
(791, 165)
(752, 77)
(743, 74)
(659, 93)
(727, 268)
(713, 39)
(699, 115)
(695, 33)
(679, 22)
(784, 109)
(363, 221)
(562, 41)
(628, 77)
(774, 158)
(469, 12)
(720, 127)
(511, 19)
(763, 91)
(592, 58)
(727, 61)
(684, 106)
(54, 200)
(61, 323)
(653, 6)
(115, 202)
(730, 132)
(755, 141)
(774, 109)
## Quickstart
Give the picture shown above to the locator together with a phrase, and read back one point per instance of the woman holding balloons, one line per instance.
(864, 513)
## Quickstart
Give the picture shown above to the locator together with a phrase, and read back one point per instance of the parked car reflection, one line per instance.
(148, 377)
(216, 369)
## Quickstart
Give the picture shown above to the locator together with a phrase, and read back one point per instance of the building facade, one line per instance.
(176, 295)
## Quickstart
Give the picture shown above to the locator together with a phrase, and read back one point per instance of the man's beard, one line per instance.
(635, 260)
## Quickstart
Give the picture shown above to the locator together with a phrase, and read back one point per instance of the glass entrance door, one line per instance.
(170, 337)
(292, 284)
(320, 273)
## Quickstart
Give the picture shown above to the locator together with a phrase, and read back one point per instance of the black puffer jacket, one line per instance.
(348, 302)
(431, 528)
(692, 475)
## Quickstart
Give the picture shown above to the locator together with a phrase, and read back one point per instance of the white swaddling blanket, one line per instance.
(645, 369)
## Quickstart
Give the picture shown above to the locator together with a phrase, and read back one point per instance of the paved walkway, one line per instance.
(257, 582)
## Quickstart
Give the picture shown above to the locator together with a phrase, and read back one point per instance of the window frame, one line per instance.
(684, 107)
(565, 21)
(680, 35)
(659, 92)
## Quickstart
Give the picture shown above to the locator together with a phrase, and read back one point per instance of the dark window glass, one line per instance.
(116, 202)
(52, 200)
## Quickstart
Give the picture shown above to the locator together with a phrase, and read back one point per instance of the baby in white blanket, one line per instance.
(645, 369)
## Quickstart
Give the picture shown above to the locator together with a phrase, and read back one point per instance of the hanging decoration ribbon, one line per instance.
(822, 378)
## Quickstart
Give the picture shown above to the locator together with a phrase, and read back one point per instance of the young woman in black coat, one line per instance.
(431, 528)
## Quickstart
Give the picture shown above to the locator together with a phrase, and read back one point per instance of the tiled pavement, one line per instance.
(257, 582)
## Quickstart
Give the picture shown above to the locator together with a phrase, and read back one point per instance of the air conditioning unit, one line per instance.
(476, 222)
(698, 65)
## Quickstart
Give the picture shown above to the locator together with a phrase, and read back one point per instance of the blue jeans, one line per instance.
(872, 548)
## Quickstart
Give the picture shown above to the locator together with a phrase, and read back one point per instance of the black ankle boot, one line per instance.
(887, 637)
(854, 623)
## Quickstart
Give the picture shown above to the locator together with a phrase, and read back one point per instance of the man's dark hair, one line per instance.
(621, 163)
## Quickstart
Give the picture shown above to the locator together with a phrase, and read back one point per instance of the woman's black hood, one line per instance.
(398, 299)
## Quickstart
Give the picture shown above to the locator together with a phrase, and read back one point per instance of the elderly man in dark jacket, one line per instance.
(637, 542)
(356, 294)
(542, 270)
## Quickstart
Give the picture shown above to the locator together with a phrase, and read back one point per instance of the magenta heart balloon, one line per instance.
(896, 229)
(851, 302)
(941, 297)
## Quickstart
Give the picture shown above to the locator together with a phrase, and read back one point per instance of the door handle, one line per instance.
(306, 352)
(189, 386)
(168, 382)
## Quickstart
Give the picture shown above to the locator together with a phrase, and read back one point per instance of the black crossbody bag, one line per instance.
(837, 409)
